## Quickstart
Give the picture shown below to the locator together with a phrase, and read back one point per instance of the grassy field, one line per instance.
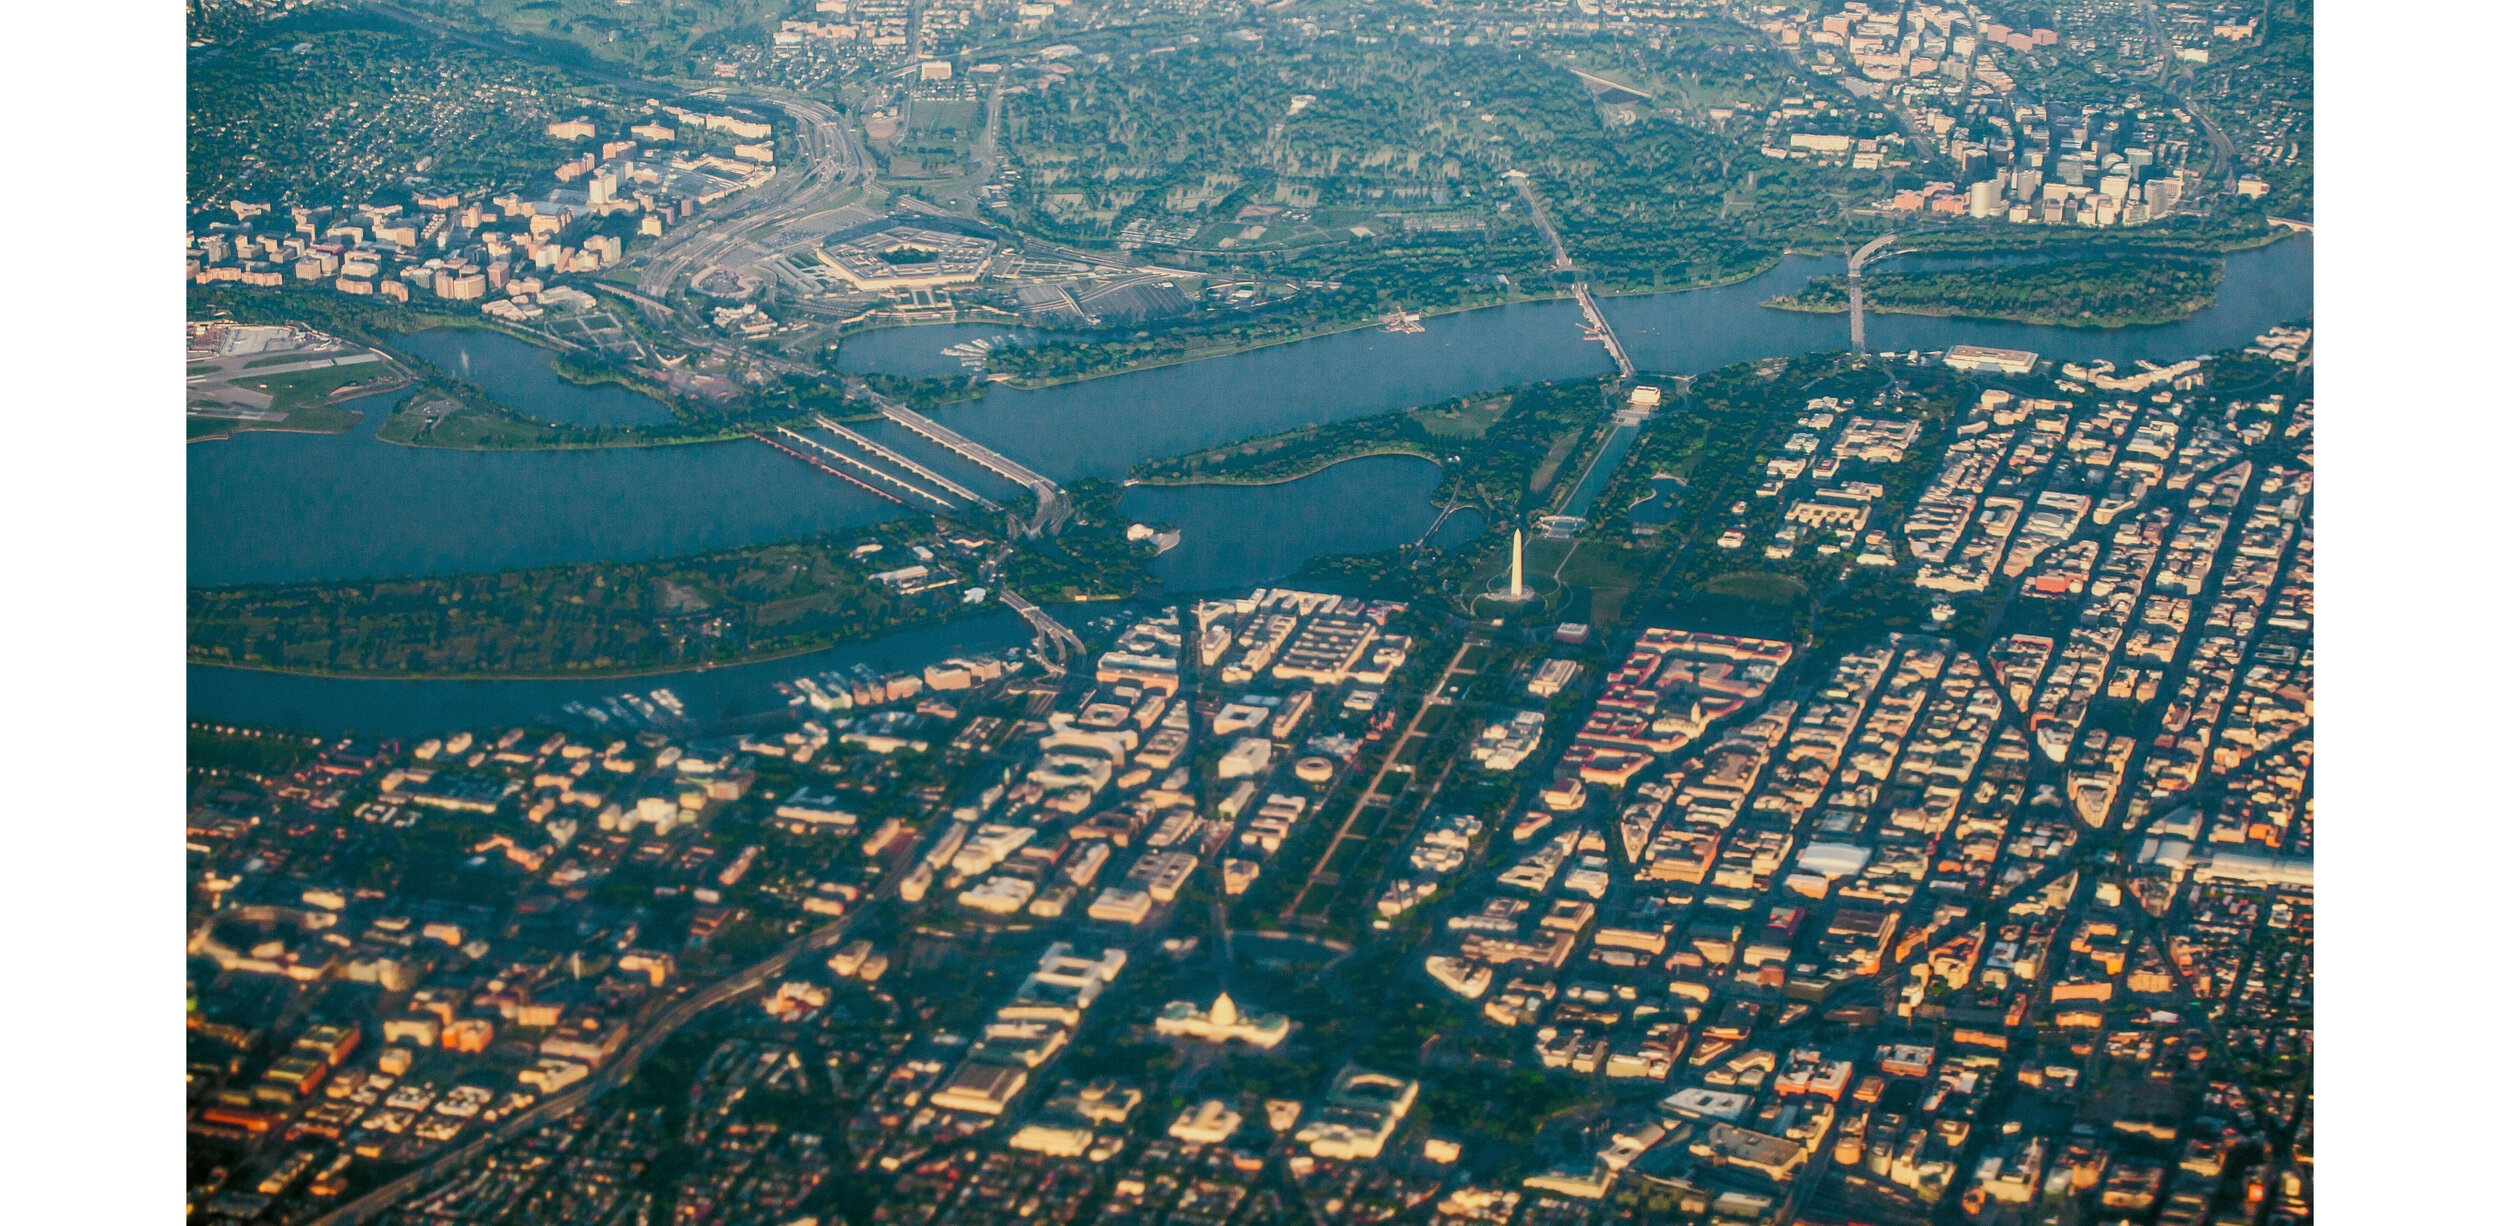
(1465, 419)
(594, 619)
(217, 753)
(1747, 602)
(1601, 575)
(1430, 432)
(281, 359)
(1760, 587)
(307, 392)
(466, 428)
(1563, 446)
(305, 399)
(940, 120)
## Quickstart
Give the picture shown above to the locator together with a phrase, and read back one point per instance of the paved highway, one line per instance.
(653, 1031)
(828, 161)
(2225, 153)
(1046, 631)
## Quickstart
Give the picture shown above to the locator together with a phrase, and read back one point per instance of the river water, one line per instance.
(522, 377)
(1102, 427)
(1235, 536)
(269, 506)
(272, 507)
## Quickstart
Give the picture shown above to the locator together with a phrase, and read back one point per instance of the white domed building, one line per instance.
(1221, 1022)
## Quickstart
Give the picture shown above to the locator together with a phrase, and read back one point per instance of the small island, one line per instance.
(2105, 292)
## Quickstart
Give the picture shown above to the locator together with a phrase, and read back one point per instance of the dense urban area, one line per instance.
(1848, 787)
(1146, 183)
(1301, 904)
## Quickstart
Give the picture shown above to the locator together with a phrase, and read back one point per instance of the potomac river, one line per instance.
(275, 507)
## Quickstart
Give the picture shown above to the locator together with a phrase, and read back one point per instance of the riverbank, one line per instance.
(2009, 239)
(881, 321)
(2101, 291)
(393, 433)
(713, 697)
(1387, 448)
(227, 431)
(1028, 383)
(308, 408)
(959, 613)
(505, 403)
(593, 619)
(495, 388)
(2037, 320)
(1024, 383)
(576, 372)
(1980, 245)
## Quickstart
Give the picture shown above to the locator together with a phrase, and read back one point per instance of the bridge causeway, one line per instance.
(820, 465)
(1857, 291)
(1053, 507)
(1048, 634)
(864, 466)
(1599, 329)
(889, 455)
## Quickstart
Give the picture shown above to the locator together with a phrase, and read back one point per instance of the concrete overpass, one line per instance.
(1857, 292)
(1049, 636)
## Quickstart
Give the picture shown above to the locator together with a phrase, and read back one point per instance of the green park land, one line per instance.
(2093, 292)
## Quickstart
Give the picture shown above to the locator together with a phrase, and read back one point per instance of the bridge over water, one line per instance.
(1053, 506)
(1599, 329)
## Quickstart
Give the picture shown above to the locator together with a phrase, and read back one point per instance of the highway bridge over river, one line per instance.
(1598, 329)
(1052, 507)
